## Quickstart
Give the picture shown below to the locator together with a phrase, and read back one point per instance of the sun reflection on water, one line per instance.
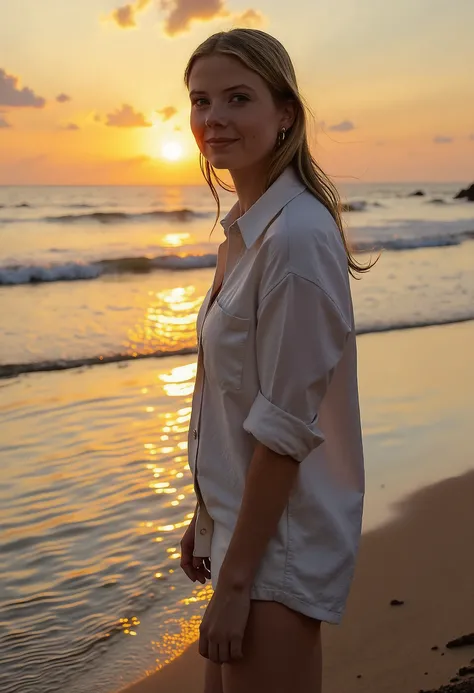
(182, 632)
(174, 240)
(169, 323)
(166, 404)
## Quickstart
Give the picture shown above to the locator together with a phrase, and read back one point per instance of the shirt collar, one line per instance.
(256, 219)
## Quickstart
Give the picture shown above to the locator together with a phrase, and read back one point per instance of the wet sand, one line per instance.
(423, 559)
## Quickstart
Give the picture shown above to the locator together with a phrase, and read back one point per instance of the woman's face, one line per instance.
(234, 118)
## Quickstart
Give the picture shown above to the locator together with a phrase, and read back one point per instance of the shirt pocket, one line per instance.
(224, 345)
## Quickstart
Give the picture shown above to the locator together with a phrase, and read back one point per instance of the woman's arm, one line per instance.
(269, 481)
(267, 488)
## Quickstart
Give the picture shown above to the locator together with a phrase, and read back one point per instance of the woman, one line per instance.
(274, 440)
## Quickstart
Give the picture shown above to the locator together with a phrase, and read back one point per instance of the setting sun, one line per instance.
(172, 151)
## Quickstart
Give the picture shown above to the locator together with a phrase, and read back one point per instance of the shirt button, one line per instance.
(203, 531)
(195, 434)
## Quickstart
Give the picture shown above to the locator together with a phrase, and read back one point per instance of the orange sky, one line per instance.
(91, 92)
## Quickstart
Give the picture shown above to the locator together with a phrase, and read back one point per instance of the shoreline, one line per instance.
(416, 405)
(13, 370)
(422, 559)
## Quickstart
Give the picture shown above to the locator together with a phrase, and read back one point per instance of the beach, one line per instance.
(421, 553)
(120, 552)
(131, 134)
(424, 561)
(98, 304)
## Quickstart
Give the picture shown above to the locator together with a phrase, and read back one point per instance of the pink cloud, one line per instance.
(344, 126)
(126, 117)
(125, 16)
(181, 13)
(250, 19)
(167, 112)
(12, 95)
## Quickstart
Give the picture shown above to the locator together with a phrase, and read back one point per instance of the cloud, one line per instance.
(471, 136)
(181, 13)
(11, 95)
(441, 139)
(167, 112)
(71, 126)
(139, 160)
(62, 98)
(126, 117)
(125, 16)
(343, 126)
(250, 19)
(4, 124)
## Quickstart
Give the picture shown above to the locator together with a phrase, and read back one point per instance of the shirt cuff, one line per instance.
(280, 431)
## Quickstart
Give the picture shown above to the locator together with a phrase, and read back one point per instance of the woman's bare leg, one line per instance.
(281, 653)
(213, 678)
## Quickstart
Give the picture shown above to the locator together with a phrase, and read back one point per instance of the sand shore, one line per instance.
(424, 559)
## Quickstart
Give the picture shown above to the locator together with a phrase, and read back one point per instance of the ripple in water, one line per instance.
(96, 494)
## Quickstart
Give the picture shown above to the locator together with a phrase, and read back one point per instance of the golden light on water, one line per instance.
(169, 322)
(182, 632)
(166, 408)
(180, 383)
(175, 240)
(128, 625)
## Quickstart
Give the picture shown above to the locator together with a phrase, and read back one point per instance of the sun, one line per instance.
(172, 151)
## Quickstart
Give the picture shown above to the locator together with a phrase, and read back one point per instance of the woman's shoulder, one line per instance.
(305, 240)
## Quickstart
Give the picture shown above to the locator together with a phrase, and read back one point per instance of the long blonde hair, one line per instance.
(266, 56)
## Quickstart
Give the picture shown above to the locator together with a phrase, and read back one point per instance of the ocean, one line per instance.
(99, 292)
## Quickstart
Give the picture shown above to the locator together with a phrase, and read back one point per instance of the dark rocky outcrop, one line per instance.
(463, 641)
(467, 193)
(466, 686)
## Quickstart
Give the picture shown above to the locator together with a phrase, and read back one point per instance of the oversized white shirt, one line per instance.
(277, 364)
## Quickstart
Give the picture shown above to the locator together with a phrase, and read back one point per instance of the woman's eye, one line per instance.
(199, 102)
(240, 98)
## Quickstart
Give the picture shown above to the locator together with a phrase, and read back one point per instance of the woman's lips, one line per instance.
(220, 144)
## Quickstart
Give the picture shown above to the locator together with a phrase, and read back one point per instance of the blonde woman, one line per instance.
(275, 439)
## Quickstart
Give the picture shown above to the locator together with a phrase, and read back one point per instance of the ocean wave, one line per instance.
(439, 241)
(73, 271)
(357, 206)
(11, 370)
(110, 217)
(450, 234)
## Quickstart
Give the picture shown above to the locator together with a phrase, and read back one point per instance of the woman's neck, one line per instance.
(249, 185)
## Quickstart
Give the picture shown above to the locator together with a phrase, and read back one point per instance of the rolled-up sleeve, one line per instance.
(301, 336)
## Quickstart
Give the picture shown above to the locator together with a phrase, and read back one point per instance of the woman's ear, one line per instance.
(288, 114)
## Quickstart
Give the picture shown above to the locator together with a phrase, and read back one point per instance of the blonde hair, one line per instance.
(266, 56)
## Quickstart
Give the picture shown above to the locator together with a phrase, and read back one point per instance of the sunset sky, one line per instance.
(91, 91)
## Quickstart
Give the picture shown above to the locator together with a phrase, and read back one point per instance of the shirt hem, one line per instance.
(320, 613)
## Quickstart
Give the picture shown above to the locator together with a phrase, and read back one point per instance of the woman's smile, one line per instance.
(220, 142)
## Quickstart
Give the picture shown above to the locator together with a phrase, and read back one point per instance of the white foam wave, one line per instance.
(73, 271)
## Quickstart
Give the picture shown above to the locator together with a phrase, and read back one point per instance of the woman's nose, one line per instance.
(215, 117)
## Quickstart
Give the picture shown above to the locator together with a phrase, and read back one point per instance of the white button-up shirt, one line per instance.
(277, 364)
